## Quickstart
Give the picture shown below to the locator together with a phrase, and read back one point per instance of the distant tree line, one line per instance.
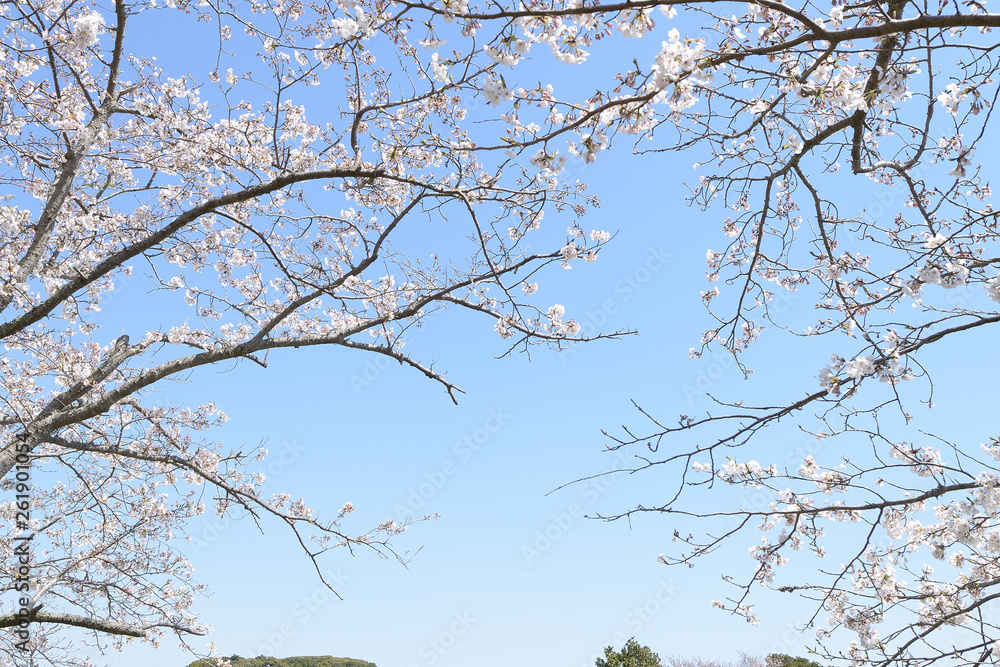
(634, 654)
(299, 661)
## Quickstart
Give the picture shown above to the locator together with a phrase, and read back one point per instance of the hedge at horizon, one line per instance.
(296, 661)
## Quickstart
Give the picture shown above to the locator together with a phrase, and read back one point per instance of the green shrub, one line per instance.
(782, 660)
(633, 654)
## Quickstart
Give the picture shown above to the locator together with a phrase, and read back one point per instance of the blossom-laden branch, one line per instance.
(843, 141)
(223, 212)
(108, 627)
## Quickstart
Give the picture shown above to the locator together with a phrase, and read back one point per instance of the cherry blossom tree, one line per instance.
(224, 192)
(842, 143)
(254, 226)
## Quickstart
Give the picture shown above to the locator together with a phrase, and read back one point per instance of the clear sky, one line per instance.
(509, 571)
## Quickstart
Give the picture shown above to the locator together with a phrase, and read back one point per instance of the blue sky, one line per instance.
(509, 570)
(536, 576)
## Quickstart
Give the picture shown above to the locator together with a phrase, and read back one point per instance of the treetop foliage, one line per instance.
(632, 654)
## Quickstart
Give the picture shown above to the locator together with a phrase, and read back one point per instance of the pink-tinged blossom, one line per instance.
(829, 380)
(837, 16)
(86, 29)
(953, 95)
(548, 163)
(859, 367)
(439, 68)
(924, 461)
(495, 92)
(993, 288)
(454, 7)
(936, 241)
